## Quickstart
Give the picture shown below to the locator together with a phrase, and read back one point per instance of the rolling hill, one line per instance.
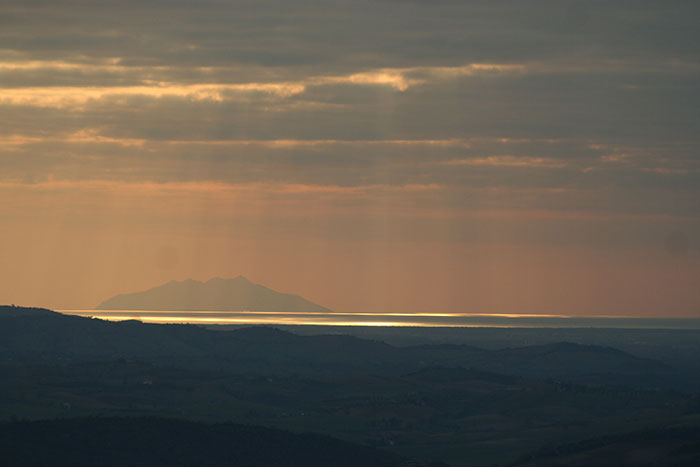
(110, 441)
(28, 335)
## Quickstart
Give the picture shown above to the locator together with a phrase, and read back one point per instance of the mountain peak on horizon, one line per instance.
(215, 294)
(238, 278)
(213, 280)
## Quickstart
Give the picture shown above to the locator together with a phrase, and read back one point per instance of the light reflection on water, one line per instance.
(387, 319)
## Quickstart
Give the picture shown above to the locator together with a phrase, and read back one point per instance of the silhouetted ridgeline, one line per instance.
(237, 294)
(34, 335)
(166, 442)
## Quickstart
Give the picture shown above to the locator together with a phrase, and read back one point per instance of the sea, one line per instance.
(388, 319)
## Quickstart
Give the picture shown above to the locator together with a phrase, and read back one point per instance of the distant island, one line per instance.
(238, 294)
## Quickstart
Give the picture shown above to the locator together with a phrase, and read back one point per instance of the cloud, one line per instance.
(341, 33)
(509, 161)
(78, 97)
(503, 107)
(71, 97)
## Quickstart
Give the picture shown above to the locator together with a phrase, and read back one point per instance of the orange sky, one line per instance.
(398, 157)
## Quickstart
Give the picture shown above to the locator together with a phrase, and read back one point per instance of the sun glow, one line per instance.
(304, 318)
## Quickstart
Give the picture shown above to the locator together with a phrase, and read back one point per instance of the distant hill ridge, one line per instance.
(217, 294)
(37, 335)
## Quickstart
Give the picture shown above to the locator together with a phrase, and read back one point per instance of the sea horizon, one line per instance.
(223, 317)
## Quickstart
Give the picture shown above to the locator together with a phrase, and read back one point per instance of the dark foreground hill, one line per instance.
(238, 294)
(679, 447)
(457, 415)
(146, 441)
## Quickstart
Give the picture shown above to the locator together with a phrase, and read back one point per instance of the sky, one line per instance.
(372, 156)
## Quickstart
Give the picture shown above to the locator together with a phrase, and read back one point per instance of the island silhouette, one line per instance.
(217, 294)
